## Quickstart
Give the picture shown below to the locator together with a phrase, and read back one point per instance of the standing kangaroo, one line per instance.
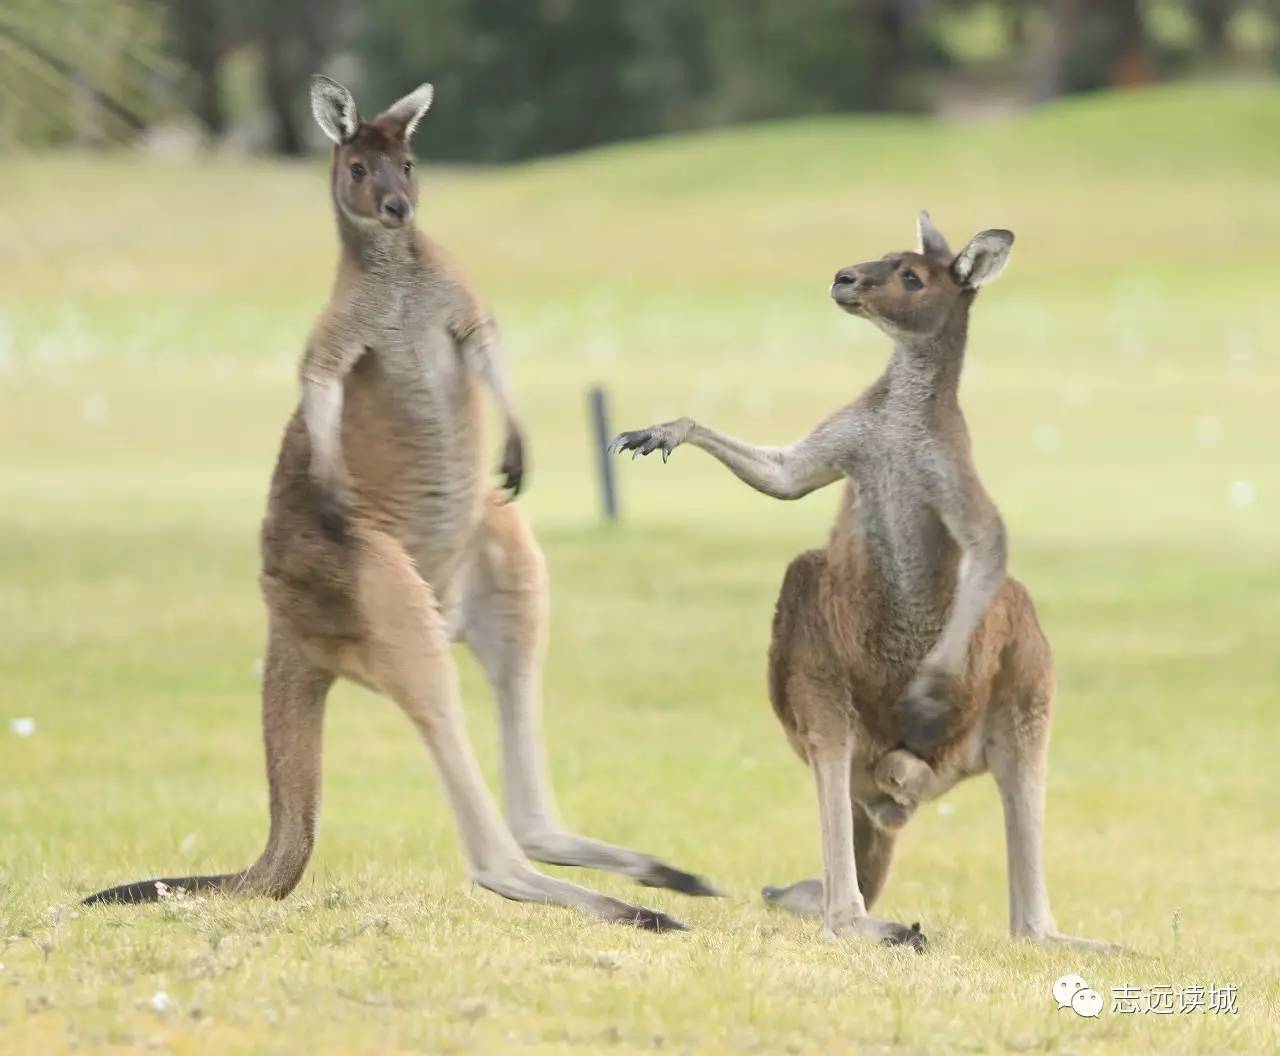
(903, 659)
(382, 543)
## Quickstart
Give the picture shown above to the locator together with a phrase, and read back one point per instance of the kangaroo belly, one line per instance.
(896, 566)
(411, 437)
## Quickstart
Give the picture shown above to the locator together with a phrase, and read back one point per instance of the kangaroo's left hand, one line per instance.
(922, 714)
(514, 461)
(665, 438)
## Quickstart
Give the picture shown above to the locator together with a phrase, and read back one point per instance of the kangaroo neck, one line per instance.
(373, 251)
(923, 377)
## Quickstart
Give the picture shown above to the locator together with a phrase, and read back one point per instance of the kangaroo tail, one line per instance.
(155, 890)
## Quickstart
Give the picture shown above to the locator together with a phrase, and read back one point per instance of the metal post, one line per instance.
(600, 419)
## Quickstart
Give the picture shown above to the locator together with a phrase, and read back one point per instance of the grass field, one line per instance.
(1122, 390)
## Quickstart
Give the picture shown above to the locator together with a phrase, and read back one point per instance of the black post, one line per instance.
(600, 419)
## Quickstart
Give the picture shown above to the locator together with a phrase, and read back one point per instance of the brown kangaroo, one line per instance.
(382, 543)
(903, 659)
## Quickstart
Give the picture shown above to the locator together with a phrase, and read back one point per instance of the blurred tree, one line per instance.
(200, 39)
(1213, 17)
(1093, 44)
(297, 37)
(513, 77)
(292, 39)
(819, 55)
(1271, 9)
(90, 72)
(892, 50)
(517, 78)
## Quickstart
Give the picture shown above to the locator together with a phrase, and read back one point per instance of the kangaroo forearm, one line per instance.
(322, 414)
(762, 468)
(332, 350)
(483, 354)
(981, 574)
(780, 472)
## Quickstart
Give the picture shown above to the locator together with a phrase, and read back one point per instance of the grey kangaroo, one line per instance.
(382, 543)
(903, 658)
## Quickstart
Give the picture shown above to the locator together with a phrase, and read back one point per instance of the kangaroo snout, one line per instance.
(396, 210)
(846, 286)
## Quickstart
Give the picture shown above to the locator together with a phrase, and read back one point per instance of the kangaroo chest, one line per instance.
(901, 560)
(412, 435)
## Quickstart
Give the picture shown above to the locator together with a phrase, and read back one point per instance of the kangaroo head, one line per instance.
(373, 169)
(915, 293)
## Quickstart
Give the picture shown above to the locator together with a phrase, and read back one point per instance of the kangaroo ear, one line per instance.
(407, 112)
(983, 258)
(930, 242)
(334, 109)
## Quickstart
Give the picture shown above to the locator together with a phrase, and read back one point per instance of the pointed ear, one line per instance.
(334, 109)
(930, 242)
(405, 113)
(983, 258)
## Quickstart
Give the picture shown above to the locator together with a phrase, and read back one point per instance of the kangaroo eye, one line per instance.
(358, 171)
(911, 280)
(408, 168)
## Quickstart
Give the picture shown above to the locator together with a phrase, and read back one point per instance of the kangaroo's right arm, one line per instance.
(781, 472)
(476, 334)
(331, 353)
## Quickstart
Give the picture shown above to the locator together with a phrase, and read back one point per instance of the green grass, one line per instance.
(1122, 375)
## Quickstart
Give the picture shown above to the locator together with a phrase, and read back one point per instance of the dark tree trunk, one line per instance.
(283, 85)
(1213, 16)
(199, 40)
(1130, 63)
(887, 23)
(297, 39)
(1092, 44)
(1050, 77)
(1014, 13)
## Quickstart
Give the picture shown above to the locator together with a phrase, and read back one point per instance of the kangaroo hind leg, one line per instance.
(504, 623)
(844, 907)
(406, 655)
(873, 854)
(1017, 755)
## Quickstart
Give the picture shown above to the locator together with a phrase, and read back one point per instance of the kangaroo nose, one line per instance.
(846, 277)
(397, 207)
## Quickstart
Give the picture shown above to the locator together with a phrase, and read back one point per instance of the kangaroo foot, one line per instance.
(886, 932)
(1056, 938)
(804, 897)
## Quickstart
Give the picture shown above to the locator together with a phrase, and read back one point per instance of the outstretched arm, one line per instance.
(331, 352)
(481, 347)
(782, 472)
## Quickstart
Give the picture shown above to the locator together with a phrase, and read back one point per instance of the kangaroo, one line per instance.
(903, 658)
(382, 543)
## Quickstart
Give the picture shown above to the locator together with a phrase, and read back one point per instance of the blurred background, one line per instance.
(653, 198)
(519, 78)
